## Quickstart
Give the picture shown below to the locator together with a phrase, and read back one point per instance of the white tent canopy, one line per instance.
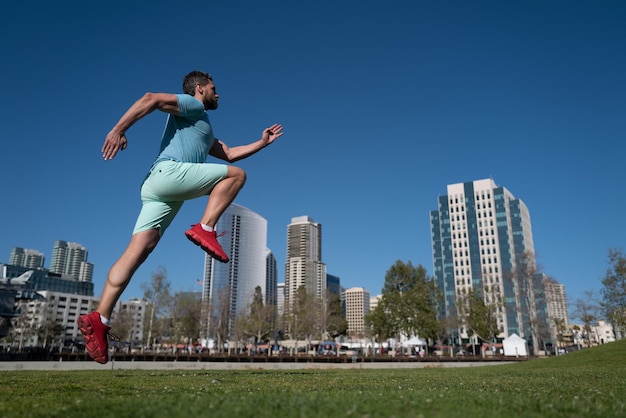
(413, 341)
(514, 345)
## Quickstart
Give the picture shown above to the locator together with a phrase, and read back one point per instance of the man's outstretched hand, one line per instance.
(272, 133)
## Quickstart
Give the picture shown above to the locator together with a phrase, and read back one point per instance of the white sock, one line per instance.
(206, 227)
(104, 320)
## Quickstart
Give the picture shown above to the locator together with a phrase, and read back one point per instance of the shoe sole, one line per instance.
(85, 327)
(191, 236)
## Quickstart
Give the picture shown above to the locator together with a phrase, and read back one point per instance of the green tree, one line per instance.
(480, 317)
(613, 292)
(408, 303)
(381, 323)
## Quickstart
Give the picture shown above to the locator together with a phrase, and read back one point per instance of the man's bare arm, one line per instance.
(223, 152)
(116, 139)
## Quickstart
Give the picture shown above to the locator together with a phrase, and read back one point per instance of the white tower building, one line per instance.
(228, 287)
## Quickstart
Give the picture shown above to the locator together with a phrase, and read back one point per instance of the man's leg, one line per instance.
(140, 246)
(223, 195)
(95, 331)
(220, 198)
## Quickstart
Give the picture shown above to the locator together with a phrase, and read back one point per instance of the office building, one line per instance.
(229, 287)
(53, 310)
(333, 284)
(304, 266)
(271, 278)
(357, 301)
(481, 238)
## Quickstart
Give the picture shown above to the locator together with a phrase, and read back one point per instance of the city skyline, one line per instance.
(382, 109)
(236, 211)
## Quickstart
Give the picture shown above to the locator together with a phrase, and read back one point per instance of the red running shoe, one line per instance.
(96, 333)
(207, 241)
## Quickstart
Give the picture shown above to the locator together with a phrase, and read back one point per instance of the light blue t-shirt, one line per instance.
(187, 137)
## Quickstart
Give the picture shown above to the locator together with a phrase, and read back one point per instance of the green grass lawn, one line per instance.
(590, 383)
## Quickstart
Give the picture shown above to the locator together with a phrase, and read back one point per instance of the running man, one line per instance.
(179, 173)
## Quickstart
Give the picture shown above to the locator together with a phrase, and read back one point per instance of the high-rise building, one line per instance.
(556, 300)
(30, 259)
(271, 278)
(229, 287)
(280, 299)
(70, 258)
(357, 308)
(481, 236)
(304, 266)
(333, 284)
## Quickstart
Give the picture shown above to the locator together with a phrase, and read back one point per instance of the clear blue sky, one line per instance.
(383, 103)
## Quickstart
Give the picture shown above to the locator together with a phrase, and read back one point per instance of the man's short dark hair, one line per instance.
(193, 78)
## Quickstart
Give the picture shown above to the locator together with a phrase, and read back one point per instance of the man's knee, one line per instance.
(237, 174)
(142, 244)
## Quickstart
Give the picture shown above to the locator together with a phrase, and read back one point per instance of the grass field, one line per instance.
(589, 383)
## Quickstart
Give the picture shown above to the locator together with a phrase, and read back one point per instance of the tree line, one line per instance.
(173, 318)
(409, 305)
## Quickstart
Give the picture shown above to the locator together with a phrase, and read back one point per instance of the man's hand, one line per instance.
(271, 134)
(113, 143)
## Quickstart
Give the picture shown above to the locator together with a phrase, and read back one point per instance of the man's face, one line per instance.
(208, 95)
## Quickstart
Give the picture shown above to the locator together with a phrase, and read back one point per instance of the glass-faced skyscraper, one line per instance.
(480, 234)
(230, 286)
(271, 278)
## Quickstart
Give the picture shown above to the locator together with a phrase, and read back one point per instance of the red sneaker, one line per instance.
(207, 241)
(96, 333)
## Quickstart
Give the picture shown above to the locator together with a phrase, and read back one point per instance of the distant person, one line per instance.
(179, 173)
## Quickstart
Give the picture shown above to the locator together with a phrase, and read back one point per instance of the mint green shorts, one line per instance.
(168, 185)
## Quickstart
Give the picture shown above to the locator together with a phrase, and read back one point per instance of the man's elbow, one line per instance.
(150, 100)
(231, 159)
(161, 101)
